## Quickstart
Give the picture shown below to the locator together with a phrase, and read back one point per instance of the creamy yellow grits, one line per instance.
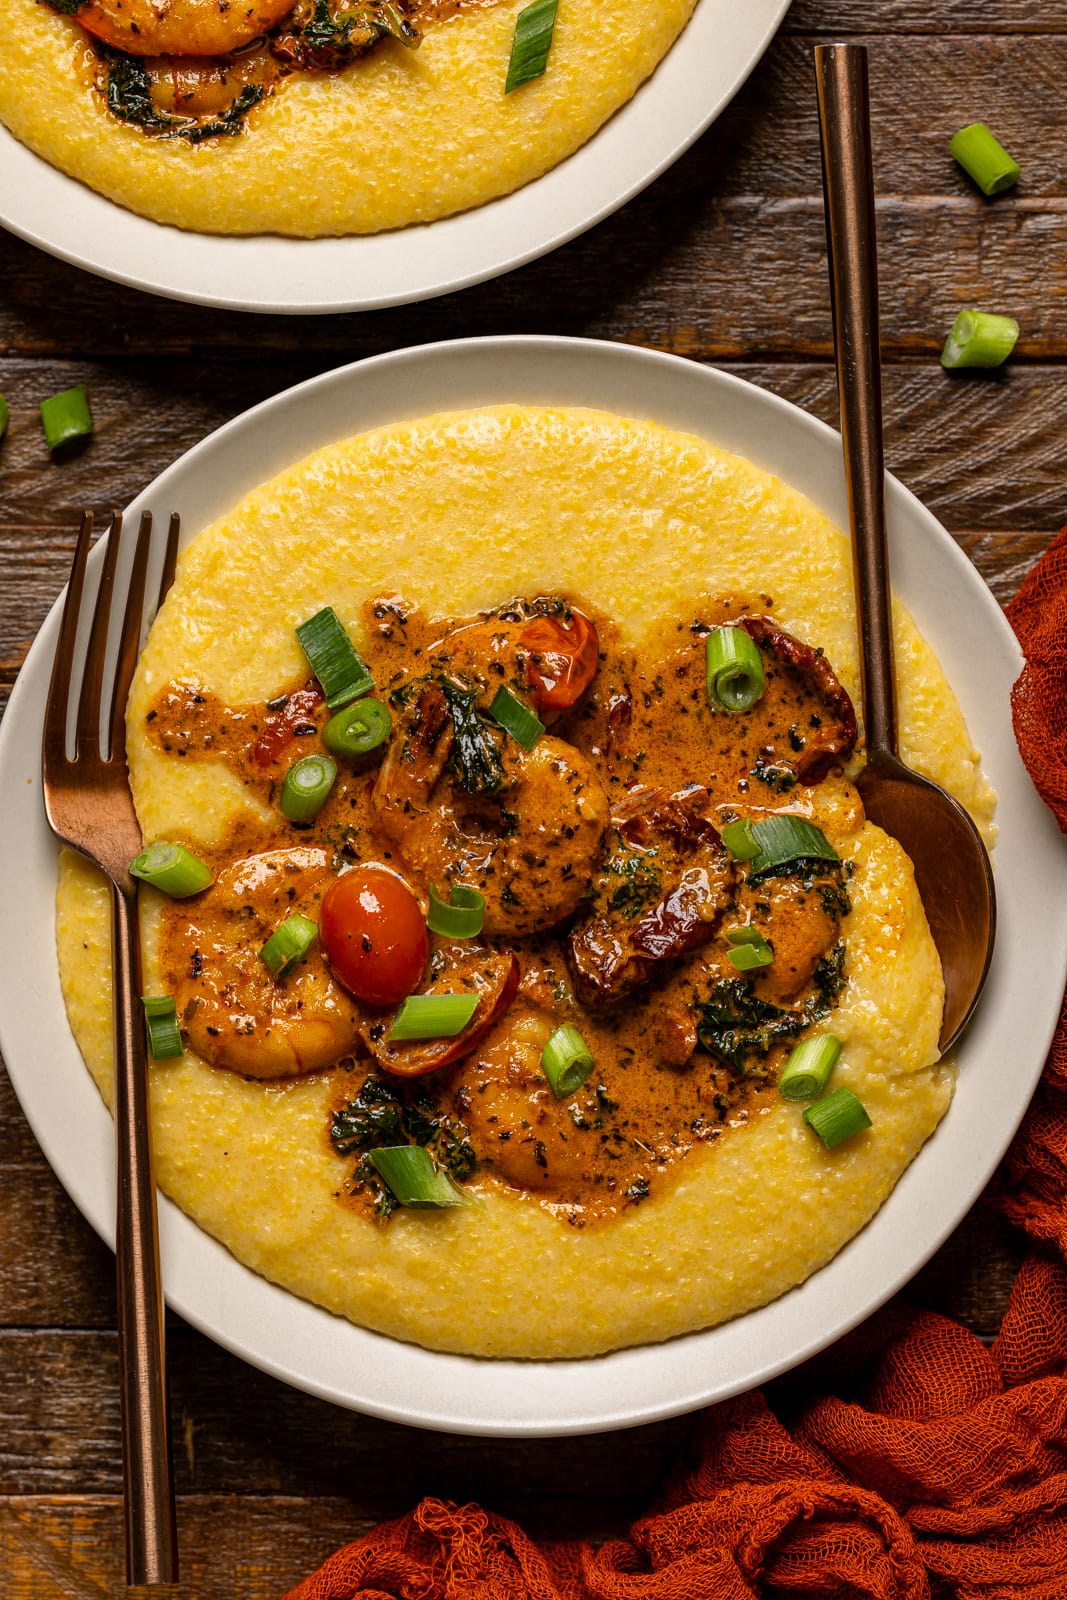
(459, 512)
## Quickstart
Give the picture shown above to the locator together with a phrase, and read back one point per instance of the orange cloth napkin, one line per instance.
(938, 1468)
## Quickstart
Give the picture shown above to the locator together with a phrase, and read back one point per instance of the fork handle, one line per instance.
(151, 1542)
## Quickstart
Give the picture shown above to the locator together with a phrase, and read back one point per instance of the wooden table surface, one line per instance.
(722, 261)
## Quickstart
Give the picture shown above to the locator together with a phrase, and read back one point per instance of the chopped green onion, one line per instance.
(461, 917)
(784, 839)
(432, 1016)
(837, 1117)
(979, 339)
(358, 729)
(984, 159)
(65, 416)
(516, 718)
(289, 944)
(171, 868)
(5, 416)
(566, 1061)
(735, 675)
(307, 787)
(807, 1072)
(334, 660)
(740, 840)
(164, 1035)
(534, 26)
(751, 949)
(413, 1179)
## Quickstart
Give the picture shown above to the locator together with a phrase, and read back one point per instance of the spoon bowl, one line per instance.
(952, 872)
(952, 868)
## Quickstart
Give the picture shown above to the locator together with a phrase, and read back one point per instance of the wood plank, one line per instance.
(922, 90)
(683, 267)
(233, 1425)
(18, 1147)
(70, 1548)
(919, 16)
(54, 1269)
(983, 451)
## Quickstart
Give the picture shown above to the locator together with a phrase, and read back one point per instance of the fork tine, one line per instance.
(55, 730)
(170, 558)
(129, 638)
(92, 692)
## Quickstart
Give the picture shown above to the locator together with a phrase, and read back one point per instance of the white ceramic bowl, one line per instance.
(715, 54)
(1000, 1057)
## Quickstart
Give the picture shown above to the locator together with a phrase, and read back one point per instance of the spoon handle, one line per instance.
(848, 183)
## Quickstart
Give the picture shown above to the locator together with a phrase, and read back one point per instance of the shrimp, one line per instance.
(198, 87)
(232, 1011)
(179, 27)
(463, 806)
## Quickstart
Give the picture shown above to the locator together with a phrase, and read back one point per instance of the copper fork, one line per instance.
(89, 806)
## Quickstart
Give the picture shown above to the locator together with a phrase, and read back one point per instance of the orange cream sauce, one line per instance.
(655, 1092)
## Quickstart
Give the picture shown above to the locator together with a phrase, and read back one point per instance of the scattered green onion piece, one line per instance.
(566, 1061)
(414, 1181)
(984, 159)
(534, 26)
(5, 416)
(837, 1117)
(979, 339)
(164, 1035)
(358, 729)
(289, 944)
(432, 1016)
(735, 675)
(461, 917)
(740, 840)
(751, 949)
(171, 868)
(516, 718)
(307, 787)
(65, 416)
(334, 660)
(807, 1072)
(783, 839)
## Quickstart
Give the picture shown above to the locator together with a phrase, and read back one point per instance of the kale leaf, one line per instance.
(737, 1025)
(129, 97)
(475, 761)
(330, 39)
(374, 1118)
(380, 1115)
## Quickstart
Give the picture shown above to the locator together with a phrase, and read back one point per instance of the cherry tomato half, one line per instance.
(374, 934)
(565, 655)
(493, 976)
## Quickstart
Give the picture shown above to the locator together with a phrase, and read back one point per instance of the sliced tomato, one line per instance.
(493, 975)
(374, 933)
(564, 654)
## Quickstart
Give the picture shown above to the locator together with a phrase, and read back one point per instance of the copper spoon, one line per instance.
(951, 865)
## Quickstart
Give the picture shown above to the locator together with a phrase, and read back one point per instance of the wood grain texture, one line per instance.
(983, 451)
(69, 1547)
(721, 261)
(925, 17)
(683, 268)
